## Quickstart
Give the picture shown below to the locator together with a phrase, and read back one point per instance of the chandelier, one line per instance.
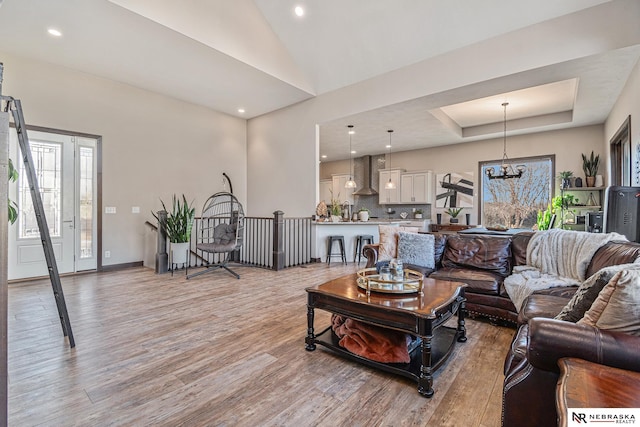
(351, 183)
(506, 170)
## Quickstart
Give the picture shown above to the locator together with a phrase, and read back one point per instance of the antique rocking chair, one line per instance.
(219, 232)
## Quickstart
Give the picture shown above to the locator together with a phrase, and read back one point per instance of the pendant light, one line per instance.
(507, 171)
(390, 185)
(351, 183)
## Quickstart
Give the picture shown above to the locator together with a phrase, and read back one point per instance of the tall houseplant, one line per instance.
(590, 167)
(178, 227)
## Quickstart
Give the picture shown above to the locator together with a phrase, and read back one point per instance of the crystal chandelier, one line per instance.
(506, 170)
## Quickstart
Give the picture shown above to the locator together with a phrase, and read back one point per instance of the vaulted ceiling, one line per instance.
(259, 56)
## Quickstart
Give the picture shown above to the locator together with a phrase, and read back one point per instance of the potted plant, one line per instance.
(590, 167)
(565, 179)
(363, 214)
(336, 208)
(453, 212)
(177, 227)
(418, 214)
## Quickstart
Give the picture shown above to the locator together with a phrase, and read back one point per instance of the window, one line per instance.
(514, 203)
(47, 160)
(86, 219)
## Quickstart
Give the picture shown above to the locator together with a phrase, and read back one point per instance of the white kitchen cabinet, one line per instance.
(385, 196)
(416, 187)
(339, 191)
(326, 186)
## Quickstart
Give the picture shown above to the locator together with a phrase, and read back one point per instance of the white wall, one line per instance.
(627, 104)
(152, 145)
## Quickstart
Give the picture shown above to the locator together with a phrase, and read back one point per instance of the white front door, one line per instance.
(62, 163)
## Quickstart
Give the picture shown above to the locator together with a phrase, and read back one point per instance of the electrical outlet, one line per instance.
(135, 209)
(107, 254)
(110, 209)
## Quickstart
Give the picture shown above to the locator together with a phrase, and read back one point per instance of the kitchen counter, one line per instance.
(415, 222)
(351, 229)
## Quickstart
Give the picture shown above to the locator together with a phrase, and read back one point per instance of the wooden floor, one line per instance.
(216, 351)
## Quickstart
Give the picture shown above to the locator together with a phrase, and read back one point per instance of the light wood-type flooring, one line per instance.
(215, 351)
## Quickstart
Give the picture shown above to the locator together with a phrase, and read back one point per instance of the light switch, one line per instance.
(110, 209)
(135, 209)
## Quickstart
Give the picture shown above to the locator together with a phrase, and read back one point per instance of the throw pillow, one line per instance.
(617, 307)
(388, 248)
(417, 249)
(588, 291)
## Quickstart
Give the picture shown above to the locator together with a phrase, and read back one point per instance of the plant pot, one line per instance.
(363, 216)
(418, 216)
(591, 181)
(179, 252)
(453, 220)
(335, 218)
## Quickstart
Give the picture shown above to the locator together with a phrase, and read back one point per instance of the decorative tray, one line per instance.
(370, 280)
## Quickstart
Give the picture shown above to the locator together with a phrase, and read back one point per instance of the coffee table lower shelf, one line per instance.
(442, 345)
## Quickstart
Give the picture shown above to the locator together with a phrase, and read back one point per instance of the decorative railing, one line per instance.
(267, 242)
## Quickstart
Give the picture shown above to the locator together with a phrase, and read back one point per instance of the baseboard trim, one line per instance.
(123, 266)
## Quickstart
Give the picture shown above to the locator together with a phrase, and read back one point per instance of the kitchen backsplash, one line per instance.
(379, 211)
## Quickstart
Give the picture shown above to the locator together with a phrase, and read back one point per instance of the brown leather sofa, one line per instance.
(531, 367)
(531, 370)
(482, 262)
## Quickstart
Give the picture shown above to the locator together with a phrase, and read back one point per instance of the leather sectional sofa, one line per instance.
(482, 261)
(531, 366)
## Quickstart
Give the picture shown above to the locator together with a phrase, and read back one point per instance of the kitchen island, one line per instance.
(350, 229)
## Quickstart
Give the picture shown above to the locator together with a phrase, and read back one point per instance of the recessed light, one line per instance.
(353, 151)
(324, 156)
(387, 146)
(299, 11)
(240, 110)
(54, 32)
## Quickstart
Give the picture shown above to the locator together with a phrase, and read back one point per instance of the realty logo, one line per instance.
(578, 417)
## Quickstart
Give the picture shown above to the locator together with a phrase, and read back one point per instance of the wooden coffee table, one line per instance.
(420, 314)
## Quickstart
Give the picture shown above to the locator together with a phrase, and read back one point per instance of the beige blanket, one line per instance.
(555, 258)
(566, 253)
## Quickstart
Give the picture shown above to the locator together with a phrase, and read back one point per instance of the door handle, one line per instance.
(70, 222)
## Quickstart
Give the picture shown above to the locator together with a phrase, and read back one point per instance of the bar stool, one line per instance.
(361, 240)
(340, 240)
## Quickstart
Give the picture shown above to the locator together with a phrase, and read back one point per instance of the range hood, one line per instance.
(366, 190)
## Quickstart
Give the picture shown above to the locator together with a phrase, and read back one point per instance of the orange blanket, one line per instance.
(373, 342)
